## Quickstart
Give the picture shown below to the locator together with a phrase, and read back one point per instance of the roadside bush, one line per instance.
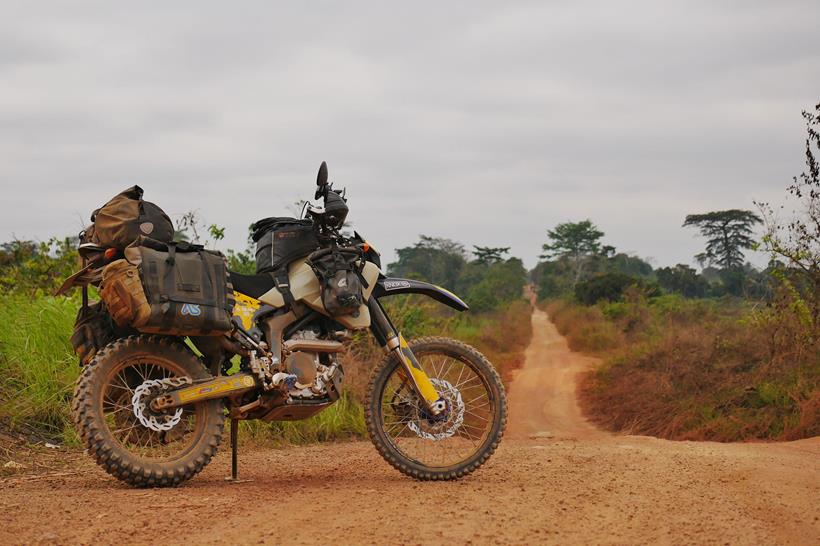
(609, 287)
(678, 368)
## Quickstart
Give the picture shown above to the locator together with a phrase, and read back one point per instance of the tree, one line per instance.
(683, 279)
(728, 233)
(489, 255)
(432, 259)
(501, 283)
(797, 242)
(610, 287)
(575, 241)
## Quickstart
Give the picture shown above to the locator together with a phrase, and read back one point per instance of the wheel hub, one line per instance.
(445, 424)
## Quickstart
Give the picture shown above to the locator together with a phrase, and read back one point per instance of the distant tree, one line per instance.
(576, 242)
(490, 255)
(728, 233)
(501, 283)
(683, 279)
(609, 287)
(32, 267)
(433, 259)
(628, 265)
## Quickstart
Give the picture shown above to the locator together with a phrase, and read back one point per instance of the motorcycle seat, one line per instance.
(252, 285)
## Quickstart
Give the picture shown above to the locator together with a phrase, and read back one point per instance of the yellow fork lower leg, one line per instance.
(417, 375)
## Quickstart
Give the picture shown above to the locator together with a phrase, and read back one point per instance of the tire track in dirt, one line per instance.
(542, 398)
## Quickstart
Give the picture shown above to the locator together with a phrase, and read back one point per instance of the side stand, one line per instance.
(234, 438)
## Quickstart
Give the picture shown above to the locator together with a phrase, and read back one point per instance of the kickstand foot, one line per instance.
(234, 437)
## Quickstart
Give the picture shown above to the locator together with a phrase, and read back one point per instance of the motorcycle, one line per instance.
(151, 411)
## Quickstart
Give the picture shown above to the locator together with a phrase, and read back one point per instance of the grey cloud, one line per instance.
(484, 122)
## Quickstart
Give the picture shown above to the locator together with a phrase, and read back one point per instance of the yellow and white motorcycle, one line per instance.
(151, 411)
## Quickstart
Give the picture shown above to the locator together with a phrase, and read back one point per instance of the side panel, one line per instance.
(305, 288)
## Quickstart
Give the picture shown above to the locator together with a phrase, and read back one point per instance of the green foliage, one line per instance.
(243, 262)
(488, 282)
(432, 259)
(37, 364)
(342, 421)
(794, 245)
(682, 279)
(728, 233)
(489, 255)
(576, 242)
(628, 265)
(609, 287)
(501, 283)
(30, 267)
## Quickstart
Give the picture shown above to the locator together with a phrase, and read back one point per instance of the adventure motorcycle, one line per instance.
(151, 411)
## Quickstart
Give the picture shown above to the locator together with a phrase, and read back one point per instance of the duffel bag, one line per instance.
(126, 217)
(182, 289)
(280, 241)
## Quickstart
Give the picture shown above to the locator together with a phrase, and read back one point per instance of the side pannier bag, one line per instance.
(279, 241)
(181, 289)
(125, 218)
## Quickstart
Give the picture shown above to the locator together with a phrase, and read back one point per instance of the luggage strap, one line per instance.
(282, 282)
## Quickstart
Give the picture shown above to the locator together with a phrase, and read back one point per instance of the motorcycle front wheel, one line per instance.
(446, 446)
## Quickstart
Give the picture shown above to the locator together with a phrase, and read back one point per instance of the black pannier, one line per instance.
(281, 240)
(174, 289)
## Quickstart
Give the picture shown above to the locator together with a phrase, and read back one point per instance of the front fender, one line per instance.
(387, 286)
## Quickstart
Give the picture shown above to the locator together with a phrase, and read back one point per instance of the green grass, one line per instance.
(343, 420)
(38, 367)
(37, 364)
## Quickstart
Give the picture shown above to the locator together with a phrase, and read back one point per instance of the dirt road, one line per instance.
(555, 479)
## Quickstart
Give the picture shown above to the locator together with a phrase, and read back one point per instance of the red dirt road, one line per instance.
(555, 479)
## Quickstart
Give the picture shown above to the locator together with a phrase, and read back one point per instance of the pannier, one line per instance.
(93, 330)
(126, 217)
(280, 241)
(174, 289)
(340, 275)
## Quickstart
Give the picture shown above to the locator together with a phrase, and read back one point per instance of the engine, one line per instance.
(309, 367)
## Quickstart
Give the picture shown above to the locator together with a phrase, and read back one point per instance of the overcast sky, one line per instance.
(482, 122)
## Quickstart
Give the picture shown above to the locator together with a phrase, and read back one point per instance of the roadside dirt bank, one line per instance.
(555, 479)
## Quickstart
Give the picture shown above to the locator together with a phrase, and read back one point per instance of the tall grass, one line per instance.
(37, 364)
(38, 367)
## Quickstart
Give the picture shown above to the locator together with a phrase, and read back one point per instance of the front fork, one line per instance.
(393, 342)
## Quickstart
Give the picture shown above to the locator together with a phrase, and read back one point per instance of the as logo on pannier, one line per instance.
(190, 309)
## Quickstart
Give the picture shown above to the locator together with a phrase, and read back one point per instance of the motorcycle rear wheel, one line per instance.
(449, 446)
(113, 434)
